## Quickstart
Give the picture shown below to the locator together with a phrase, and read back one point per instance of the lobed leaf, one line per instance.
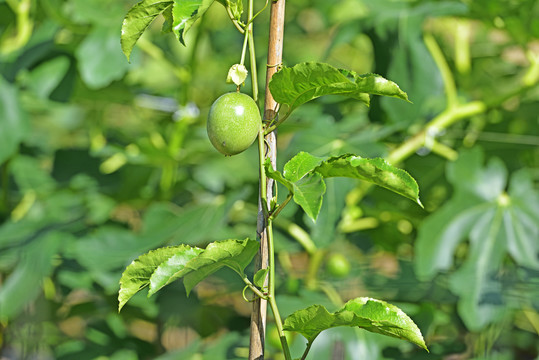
(307, 81)
(137, 19)
(495, 222)
(137, 275)
(370, 314)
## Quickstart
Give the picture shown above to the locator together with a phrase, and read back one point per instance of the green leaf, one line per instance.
(13, 121)
(370, 314)
(24, 283)
(99, 58)
(137, 275)
(276, 175)
(260, 277)
(308, 193)
(376, 171)
(236, 8)
(185, 13)
(137, 19)
(495, 222)
(300, 165)
(304, 174)
(235, 254)
(160, 276)
(307, 81)
(375, 85)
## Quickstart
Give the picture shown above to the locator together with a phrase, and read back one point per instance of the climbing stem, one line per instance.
(271, 290)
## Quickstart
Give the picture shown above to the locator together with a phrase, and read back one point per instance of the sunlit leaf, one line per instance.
(376, 171)
(304, 173)
(370, 314)
(137, 275)
(304, 82)
(176, 263)
(185, 13)
(300, 165)
(308, 192)
(137, 19)
(235, 254)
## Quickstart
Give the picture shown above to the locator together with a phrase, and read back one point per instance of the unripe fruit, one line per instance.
(338, 265)
(273, 337)
(233, 123)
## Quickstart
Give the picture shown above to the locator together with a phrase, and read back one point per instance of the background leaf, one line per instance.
(24, 283)
(13, 120)
(494, 222)
(100, 59)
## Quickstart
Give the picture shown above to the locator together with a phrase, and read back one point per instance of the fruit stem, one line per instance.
(244, 48)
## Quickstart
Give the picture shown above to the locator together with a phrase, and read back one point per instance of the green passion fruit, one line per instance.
(338, 265)
(233, 123)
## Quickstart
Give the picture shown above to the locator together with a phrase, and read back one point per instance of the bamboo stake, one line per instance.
(275, 55)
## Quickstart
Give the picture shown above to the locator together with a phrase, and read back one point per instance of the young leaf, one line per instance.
(137, 275)
(260, 277)
(307, 81)
(370, 314)
(300, 165)
(185, 13)
(235, 254)
(137, 19)
(376, 171)
(277, 176)
(307, 191)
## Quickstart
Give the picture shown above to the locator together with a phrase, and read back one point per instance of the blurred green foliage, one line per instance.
(102, 160)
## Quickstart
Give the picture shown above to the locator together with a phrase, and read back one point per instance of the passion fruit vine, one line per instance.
(233, 123)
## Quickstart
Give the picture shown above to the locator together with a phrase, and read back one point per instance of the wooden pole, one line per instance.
(275, 56)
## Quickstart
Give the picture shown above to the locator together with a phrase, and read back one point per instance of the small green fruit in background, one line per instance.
(338, 265)
(273, 337)
(233, 123)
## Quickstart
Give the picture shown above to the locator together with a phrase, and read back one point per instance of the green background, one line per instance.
(102, 160)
